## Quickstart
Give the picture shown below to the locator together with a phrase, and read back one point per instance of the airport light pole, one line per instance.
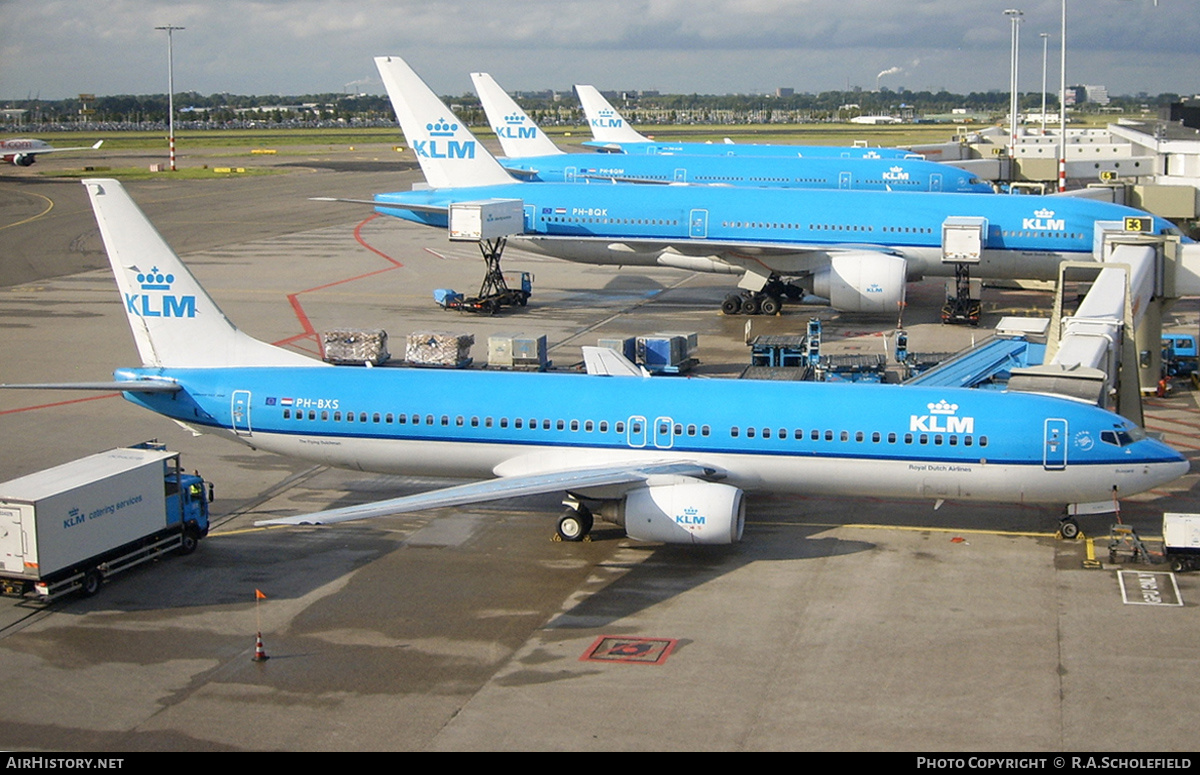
(171, 90)
(1045, 36)
(1062, 103)
(1015, 15)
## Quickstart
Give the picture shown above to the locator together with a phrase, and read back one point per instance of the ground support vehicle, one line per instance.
(70, 527)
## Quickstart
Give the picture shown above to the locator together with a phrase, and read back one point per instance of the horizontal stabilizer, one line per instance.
(131, 386)
(417, 208)
(605, 361)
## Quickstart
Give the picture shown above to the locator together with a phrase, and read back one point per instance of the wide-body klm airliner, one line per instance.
(669, 459)
(24, 152)
(611, 133)
(854, 248)
(531, 155)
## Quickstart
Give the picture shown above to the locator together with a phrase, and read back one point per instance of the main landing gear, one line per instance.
(768, 301)
(575, 523)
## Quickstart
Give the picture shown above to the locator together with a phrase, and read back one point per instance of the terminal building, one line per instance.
(1153, 165)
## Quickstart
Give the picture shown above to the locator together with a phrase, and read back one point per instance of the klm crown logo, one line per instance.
(942, 418)
(441, 128)
(156, 301)
(439, 148)
(514, 128)
(895, 173)
(607, 118)
(690, 518)
(1044, 220)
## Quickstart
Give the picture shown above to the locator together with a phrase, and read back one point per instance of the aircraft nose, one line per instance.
(1173, 464)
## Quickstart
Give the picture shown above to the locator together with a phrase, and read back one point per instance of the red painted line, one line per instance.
(59, 403)
(294, 298)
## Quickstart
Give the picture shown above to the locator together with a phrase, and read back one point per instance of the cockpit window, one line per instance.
(1123, 437)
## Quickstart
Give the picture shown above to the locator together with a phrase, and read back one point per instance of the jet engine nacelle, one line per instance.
(24, 159)
(685, 513)
(863, 282)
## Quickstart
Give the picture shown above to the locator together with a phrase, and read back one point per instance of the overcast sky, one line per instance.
(61, 48)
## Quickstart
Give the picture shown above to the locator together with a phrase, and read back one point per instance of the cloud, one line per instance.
(60, 47)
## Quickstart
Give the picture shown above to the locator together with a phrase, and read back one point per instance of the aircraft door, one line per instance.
(569, 174)
(698, 224)
(845, 180)
(681, 175)
(530, 218)
(1054, 449)
(239, 412)
(636, 432)
(664, 432)
(935, 181)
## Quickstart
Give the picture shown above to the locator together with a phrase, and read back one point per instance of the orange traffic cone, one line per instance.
(260, 654)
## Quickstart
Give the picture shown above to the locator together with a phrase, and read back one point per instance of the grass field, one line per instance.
(284, 139)
(233, 145)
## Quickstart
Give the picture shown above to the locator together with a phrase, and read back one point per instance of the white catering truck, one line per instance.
(69, 527)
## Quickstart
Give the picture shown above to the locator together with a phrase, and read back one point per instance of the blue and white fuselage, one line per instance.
(784, 231)
(856, 174)
(650, 147)
(812, 438)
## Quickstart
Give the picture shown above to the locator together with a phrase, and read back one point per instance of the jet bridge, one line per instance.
(1109, 351)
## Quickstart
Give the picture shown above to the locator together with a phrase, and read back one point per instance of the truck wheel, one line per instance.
(91, 583)
(190, 541)
(1179, 565)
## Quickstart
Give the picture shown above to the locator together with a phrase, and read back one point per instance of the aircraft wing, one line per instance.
(569, 480)
(60, 150)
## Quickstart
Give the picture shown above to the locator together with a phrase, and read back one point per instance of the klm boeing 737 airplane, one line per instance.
(611, 133)
(531, 155)
(855, 248)
(669, 459)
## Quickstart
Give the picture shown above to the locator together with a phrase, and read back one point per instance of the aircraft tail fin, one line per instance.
(607, 124)
(449, 154)
(175, 323)
(519, 136)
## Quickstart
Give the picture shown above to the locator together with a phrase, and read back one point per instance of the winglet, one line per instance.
(519, 136)
(607, 124)
(175, 323)
(449, 154)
